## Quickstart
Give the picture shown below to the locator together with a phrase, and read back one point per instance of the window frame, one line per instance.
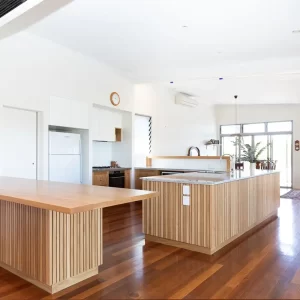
(149, 131)
(269, 134)
(266, 132)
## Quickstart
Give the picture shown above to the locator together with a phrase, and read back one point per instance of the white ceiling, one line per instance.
(145, 40)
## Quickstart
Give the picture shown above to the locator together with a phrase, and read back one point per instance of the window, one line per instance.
(230, 129)
(228, 145)
(254, 128)
(143, 139)
(279, 126)
(275, 136)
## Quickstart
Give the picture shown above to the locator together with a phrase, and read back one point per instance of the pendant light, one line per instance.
(236, 115)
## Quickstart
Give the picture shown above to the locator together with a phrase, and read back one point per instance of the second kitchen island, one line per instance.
(205, 212)
(51, 232)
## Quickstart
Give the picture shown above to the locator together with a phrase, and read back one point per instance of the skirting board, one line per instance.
(231, 243)
(57, 287)
(156, 239)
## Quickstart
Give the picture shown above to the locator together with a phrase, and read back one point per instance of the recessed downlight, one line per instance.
(171, 82)
(185, 26)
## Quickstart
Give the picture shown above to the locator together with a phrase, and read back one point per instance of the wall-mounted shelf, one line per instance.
(217, 145)
(212, 142)
(218, 158)
(118, 132)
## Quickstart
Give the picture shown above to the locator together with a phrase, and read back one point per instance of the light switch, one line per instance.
(186, 190)
(186, 200)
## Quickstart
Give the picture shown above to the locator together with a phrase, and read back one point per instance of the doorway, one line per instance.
(19, 143)
(281, 151)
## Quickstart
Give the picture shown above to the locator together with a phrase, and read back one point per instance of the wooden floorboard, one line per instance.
(264, 266)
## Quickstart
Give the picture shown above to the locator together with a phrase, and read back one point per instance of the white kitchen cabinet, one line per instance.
(69, 113)
(104, 124)
(79, 115)
(60, 112)
(117, 120)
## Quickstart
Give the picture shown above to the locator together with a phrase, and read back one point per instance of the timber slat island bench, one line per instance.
(51, 233)
(205, 212)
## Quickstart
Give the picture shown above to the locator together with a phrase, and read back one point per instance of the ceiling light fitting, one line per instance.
(236, 114)
(296, 31)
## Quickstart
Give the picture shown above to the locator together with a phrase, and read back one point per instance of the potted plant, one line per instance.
(250, 153)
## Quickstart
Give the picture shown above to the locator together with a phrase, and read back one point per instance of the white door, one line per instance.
(18, 146)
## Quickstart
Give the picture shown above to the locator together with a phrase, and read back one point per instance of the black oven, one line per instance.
(117, 179)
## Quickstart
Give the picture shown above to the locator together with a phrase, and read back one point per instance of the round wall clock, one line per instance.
(115, 99)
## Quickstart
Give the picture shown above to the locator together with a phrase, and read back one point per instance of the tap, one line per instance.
(231, 160)
(231, 156)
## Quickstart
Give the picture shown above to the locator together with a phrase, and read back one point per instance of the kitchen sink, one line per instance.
(211, 172)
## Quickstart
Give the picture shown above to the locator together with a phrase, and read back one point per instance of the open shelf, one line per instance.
(118, 132)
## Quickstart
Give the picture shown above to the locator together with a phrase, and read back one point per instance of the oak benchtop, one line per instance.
(66, 197)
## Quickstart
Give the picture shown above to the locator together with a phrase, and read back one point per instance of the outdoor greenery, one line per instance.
(249, 153)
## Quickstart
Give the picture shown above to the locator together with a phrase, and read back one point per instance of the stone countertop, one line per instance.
(174, 170)
(110, 169)
(209, 179)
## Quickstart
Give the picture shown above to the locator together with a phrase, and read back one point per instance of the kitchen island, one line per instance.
(51, 233)
(206, 212)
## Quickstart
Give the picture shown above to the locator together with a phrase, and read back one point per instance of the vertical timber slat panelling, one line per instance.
(165, 216)
(76, 252)
(23, 237)
(47, 246)
(240, 205)
(216, 214)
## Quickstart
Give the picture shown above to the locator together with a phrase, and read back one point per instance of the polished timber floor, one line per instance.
(266, 265)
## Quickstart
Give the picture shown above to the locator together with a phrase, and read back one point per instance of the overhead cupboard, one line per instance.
(106, 125)
(69, 113)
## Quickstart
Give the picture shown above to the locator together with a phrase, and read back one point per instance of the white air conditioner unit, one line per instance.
(184, 99)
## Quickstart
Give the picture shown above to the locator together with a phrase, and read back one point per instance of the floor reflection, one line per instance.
(287, 233)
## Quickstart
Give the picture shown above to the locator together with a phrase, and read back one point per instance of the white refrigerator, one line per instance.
(64, 157)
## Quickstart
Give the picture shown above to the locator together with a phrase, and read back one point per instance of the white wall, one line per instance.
(122, 151)
(33, 69)
(175, 128)
(102, 153)
(225, 114)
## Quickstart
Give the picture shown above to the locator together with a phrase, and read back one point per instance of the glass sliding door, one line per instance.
(228, 145)
(264, 140)
(277, 134)
(281, 151)
(247, 140)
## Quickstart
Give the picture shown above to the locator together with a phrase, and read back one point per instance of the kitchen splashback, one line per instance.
(193, 164)
(102, 153)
